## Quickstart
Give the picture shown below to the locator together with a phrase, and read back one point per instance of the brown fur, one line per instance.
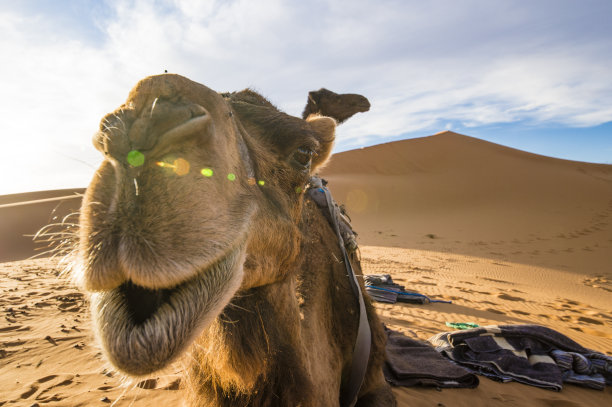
(242, 276)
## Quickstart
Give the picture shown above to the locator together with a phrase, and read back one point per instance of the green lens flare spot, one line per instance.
(135, 158)
(207, 172)
(298, 190)
(231, 177)
(261, 183)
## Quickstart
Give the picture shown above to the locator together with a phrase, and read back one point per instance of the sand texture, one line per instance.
(507, 236)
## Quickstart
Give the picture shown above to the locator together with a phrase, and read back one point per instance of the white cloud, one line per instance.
(421, 64)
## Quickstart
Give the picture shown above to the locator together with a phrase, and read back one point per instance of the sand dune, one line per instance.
(23, 215)
(451, 192)
(507, 236)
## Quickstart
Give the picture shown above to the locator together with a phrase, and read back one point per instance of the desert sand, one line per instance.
(507, 236)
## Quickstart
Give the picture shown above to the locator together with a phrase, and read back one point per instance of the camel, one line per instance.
(198, 243)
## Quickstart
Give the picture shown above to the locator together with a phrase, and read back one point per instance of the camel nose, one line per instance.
(154, 130)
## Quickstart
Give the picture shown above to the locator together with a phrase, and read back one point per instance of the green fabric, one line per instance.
(462, 325)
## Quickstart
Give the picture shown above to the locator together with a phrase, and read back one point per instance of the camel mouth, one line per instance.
(363, 106)
(143, 330)
(142, 302)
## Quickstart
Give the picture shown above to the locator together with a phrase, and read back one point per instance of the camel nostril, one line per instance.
(196, 125)
(127, 138)
(197, 110)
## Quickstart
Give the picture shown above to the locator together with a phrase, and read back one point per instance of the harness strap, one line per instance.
(361, 350)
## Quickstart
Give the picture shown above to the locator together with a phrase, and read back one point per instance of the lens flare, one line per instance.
(135, 158)
(180, 166)
(261, 183)
(231, 176)
(207, 172)
(357, 200)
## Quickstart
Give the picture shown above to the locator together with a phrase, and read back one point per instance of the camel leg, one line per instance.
(376, 392)
(379, 397)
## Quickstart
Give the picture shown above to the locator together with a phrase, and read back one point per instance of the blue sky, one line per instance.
(530, 75)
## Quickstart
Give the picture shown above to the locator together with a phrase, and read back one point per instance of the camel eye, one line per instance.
(302, 157)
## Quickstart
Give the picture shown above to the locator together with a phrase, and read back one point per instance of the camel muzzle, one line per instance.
(158, 129)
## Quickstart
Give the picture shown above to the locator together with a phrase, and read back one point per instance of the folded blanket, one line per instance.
(530, 354)
(411, 362)
(382, 288)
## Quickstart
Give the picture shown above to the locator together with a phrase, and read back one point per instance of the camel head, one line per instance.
(339, 106)
(198, 197)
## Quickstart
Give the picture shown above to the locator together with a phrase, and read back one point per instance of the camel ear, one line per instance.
(312, 103)
(325, 129)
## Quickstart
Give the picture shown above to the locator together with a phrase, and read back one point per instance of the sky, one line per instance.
(533, 75)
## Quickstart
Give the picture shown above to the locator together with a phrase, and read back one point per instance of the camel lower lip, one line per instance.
(144, 343)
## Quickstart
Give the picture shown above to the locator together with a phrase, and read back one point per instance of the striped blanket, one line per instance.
(530, 354)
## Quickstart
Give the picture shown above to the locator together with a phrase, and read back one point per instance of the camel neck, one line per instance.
(254, 344)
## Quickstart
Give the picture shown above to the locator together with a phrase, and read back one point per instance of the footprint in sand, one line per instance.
(509, 297)
(167, 383)
(14, 328)
(11, 344)
(598, 281)
(590, 331)
(71, 302)
(26, 394)
(150, 384)
(590, 320)
(424, 283)
(49, 384)
(46, 378)
(597, 314)
(516, 311)
(495, 280)
(147, 384)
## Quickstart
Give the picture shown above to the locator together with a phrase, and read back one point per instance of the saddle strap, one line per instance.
(361, 350)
